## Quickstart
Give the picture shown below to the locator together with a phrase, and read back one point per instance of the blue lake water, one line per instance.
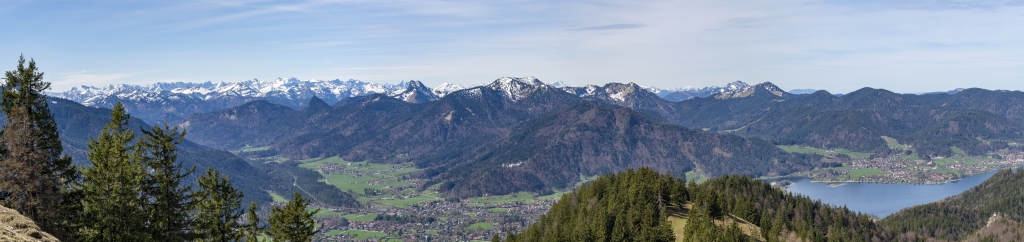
(882, 199)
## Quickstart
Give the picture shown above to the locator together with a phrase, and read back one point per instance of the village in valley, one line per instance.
(394, 210)
(396, 206)
(905, 167)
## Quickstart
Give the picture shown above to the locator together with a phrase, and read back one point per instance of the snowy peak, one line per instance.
(517, 88)
(627, 95)
(621, 92)
(736, 86)
(558, 84)
(414, 92)
(680, 94)
(447, 88)
(772, 88)
(766, 87)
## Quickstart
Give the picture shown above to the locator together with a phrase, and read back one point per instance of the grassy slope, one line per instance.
(15, 227)
(277, 198)
(678, 221)
(372, 176)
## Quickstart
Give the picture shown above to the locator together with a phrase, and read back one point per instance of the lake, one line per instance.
(882, 199)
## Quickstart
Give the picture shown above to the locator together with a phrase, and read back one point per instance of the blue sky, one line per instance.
(840, 46)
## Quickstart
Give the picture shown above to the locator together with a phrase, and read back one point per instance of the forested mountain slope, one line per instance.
(1009, 104)
(512, 135)
(975, 120)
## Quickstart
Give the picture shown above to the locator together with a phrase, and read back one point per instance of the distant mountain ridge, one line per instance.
(174, 102)
(515, 134)
(680, 94)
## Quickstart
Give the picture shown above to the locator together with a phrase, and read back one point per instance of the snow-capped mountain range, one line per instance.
(176, 101)
(679, 94)
(280, 89)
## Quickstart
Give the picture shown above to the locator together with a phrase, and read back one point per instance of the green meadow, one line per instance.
(358, 234)
(690, 175)
(856, 174)
(277, 198)
(359, 176)
(809, 150)
(480, 226)
(248, 148)
(361, 217)
(893, 143)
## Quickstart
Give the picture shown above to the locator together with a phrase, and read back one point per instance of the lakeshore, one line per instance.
(907, 169)
(880, 199)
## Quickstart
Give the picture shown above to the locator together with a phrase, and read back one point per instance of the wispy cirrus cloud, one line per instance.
(609, 27)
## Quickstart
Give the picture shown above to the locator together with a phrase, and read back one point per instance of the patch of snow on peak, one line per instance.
(558, 84)
(516, 88)
(447, 88)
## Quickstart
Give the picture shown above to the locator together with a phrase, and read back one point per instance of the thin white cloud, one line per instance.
(609, 27)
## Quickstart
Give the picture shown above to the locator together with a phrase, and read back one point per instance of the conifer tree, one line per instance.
(21, 177)
(253, 229)
(218, 208)
(734, 234)
(54, 205)
(170, 200)
(114, 208)
(293, 223)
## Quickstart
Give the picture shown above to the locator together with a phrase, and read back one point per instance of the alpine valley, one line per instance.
(520, 159)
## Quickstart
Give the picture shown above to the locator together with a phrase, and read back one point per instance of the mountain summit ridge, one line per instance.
(176, 101)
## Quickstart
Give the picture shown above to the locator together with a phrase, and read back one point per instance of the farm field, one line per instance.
(893, 143)
(856, 174)
(361, 217)
(809, 150)
(388, 184)
(358, 234)
(524, 197)
(480, 226)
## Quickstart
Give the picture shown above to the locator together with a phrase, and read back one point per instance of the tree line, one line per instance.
(134, 189)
